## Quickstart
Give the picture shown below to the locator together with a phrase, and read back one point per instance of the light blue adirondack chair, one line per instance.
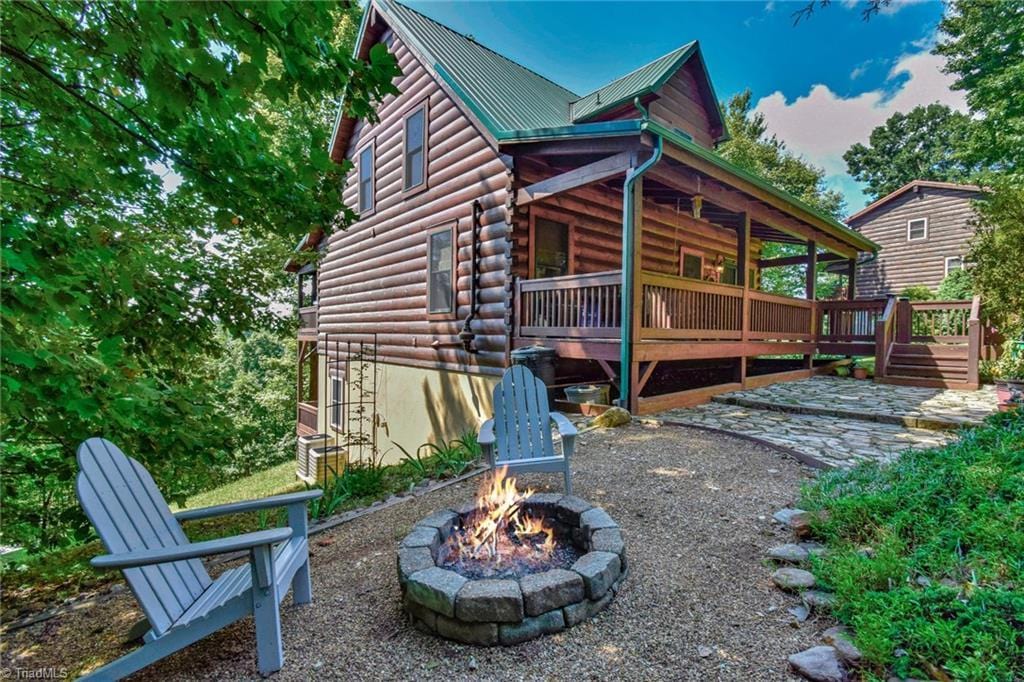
(519, 436)
(181, 602)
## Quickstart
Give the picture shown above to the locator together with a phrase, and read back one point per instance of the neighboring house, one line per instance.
(923, 229)
(499, 210)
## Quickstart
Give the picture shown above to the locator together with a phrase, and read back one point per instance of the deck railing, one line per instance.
(679, 308)
(846, 321)
(779, 318)
(571, 306)
(307, 415)
(307, 317)
(938, 321)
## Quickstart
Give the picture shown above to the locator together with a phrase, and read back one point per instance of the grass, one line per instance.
(941, 589)
(33, 583)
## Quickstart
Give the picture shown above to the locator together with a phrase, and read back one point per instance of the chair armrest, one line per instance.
(192, 550)
(565, 427)
(249, 505)
(486, 436)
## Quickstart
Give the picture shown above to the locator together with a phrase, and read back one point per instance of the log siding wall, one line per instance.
(374, 275)
(901, 263)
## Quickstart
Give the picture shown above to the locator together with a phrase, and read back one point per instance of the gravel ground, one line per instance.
(695, 508)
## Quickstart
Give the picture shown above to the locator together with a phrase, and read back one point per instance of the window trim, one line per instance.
(372, 148)
(922, 237)
(334, 405)
(424, 106)
(688, 251)
(945, 264)
(453, 312)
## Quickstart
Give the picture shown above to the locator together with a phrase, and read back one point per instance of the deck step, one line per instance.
(934, 350)
(927, 361)
(895, 370)
(927, 382)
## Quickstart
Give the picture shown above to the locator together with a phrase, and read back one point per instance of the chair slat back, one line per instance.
(129, 514)
(522, 421)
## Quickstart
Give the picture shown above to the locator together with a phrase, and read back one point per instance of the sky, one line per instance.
(822, 85)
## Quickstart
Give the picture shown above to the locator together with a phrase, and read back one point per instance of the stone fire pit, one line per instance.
(581, 579)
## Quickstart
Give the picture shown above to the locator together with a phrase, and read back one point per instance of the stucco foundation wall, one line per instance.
(417, 406)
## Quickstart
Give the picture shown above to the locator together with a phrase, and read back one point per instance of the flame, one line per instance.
(499, 532)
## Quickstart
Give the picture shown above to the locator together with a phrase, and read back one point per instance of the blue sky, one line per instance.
(823, 84)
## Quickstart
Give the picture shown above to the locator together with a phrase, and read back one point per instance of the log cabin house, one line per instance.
(498, 210)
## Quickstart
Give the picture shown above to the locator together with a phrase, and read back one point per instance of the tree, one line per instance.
(983, 41)
(997, 252)
(926, 143)
(751, 148)
(114, 287)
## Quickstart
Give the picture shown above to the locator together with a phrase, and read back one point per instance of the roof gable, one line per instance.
(915, 185)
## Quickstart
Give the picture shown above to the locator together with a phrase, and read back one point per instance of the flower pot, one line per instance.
(860, 372)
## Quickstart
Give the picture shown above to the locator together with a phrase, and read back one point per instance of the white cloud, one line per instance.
(821, 125)
(861, 69)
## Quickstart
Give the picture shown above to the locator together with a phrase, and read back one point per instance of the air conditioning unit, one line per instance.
(318, 459)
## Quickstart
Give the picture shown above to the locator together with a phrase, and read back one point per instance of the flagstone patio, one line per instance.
(840, 422)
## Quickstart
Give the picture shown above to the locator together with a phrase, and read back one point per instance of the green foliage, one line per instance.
(751, 148)
(925, 143)
(996, 253)
(958, 285)
(1010, 364)
(115, 288)
(918, 292)
(983, 41)
(950, 514)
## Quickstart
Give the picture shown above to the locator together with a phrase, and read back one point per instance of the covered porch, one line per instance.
(645, 252)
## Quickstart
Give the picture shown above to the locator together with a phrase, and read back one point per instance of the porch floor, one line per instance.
(840, 422)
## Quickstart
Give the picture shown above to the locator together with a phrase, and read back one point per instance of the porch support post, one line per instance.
(812, 278)
(632, 300)
(851, 280)
(742, 265)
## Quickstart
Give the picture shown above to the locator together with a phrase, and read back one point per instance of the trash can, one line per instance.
(587, 393)
(539, 360)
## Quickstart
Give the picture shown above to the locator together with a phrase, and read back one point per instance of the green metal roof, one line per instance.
(644, 80)
(507, 95)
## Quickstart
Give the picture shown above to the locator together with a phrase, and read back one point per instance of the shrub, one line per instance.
(958, 285)
(943, 582)
(918, 292)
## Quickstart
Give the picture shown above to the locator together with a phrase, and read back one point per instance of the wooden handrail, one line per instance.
(883, 336)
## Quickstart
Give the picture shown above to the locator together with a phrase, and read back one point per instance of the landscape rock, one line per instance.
(841, 639)
(442, 520)
(570, 508)
(784, 516)
(799, 613)
(436, 589)
(543, 592)
(612, 417)
(793, 579)
(817, 599)
(581, 611)
(595, 519)
(791, 553)
(820, 664)
(608, 540)
(704, 651)
(485, 634)
(599, 571)
(814, 548)
(490, 600)
(423, 536)
(545, 623)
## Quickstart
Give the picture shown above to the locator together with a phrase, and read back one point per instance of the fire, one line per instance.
(500, 533)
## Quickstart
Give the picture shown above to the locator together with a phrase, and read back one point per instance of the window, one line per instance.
(917, 229)
(414, 152)
(550, 248)
(440, 264)
(729, 272)
(954, 263)
(336, 401)
(691, 264)
(307, 285)
(366, 180)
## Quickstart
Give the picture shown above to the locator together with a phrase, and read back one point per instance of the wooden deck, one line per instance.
(580, 317)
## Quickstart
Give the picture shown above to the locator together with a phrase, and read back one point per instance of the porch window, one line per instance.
(414, 148)
(550, 248)
(441, 264)
(691, 264)
(729, 272)
(307, 285)
(366, 180)
(917, 229)
(953, 263)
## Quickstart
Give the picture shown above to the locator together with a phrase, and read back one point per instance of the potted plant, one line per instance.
(860, 370)
(1009, 374)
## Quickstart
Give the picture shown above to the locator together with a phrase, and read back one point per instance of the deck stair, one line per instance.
(933, 365)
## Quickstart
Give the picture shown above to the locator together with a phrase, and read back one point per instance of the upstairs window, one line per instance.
(414, 151)
(691, 264)
(441, 266)
(366, 180)
(917, 229)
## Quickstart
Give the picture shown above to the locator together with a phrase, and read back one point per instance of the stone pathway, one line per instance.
(928, 408)
(842, 421)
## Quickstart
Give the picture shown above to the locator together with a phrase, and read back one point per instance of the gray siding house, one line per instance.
(923, 228)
